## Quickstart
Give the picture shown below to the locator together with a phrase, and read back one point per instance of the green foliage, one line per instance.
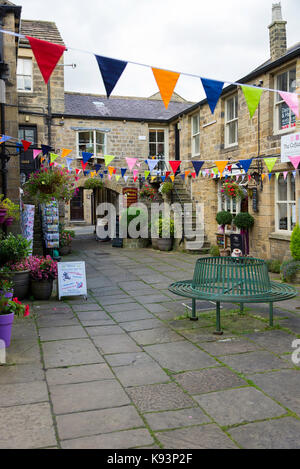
(14, 249)
(12, 210)
(215, 251)
(165, 227)
(244, 221)
(93, 183)
(224, 218)
(295, 243)
(130, 214)
(50, 183)
(167, 188)
(274, 266)
(289, 270)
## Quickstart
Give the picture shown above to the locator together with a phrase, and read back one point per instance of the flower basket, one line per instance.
(232, 190)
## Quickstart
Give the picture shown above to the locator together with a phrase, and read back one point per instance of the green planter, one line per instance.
(41, 289)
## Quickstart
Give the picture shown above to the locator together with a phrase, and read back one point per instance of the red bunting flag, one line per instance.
(194, 175)
(77, 171)
(168, 174)
(25, 144)
(175, 165)
(46, 54)
(84, 165)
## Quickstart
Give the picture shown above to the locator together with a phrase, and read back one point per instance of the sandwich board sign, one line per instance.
(71, 279)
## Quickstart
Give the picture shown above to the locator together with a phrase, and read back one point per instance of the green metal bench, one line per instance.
(232, 280)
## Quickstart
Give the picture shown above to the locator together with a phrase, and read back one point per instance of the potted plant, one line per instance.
(290, 271)
(128, 216)
(147, 193)
(65, 241)
(13, 253)
(244, 221)
(8, 211)
(9, 308)
(232, 190)
(166, 228)
(43, 270)
(166, 191)
(47, 184)
(224, 218)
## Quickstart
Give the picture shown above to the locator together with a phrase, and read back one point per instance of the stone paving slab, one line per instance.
(79, 374)
(210, 380)
(273, 434)
(15, 374)
(252, 362)
(276, 341)
(92, 316)
(119, 440)
(23, 353)
(20, 393)
(145, 324)
(82, 397)
(135, 315)
(155, 336)
(57, 320)
(96, 331)
(239, 406)
(201, 437)
(70, 353)
(175, 419)
(229, 347)
(87, 307)
(124, 307)
(48, 334)
(98, 422)
(120, 343)
(27, 427)
(141, 373)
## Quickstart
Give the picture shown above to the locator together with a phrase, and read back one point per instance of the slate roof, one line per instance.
(45, 30)
(83, 105)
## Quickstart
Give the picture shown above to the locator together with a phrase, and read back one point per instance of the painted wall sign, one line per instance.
(130, 195)
(71, 279)
(290, 146)
(255, 199)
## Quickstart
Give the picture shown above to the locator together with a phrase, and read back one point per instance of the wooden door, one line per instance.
(76, 206)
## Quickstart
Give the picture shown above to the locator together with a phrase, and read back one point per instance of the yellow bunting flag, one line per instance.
(93, 174)
(118, 177)
(221, 165)
(172, 178)
(147, 174)
(108, 159)
(166, 82)
(53, 157)
(263, 176)
(65, 152)
(270, 163)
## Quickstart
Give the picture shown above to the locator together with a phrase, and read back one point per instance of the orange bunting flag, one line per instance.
(111, 170)
(65, 152)
(221, 165)
(166, 82)
(172, 178)
(187, 173)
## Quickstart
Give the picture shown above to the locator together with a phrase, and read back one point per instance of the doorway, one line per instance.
(77, 207)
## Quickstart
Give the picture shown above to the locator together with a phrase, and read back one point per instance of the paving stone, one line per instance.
(201, 437)
(114, 300)
(79, 374)
(125, 359)
(210, 380)
(180, 356)
(151, 298)
(87, 307)
(273, 434)
(23, 352)
(120, 440)
(155, 336)
(15, 374)
(26, 427)
(239, 406)
(93, 316)
(156, 308)
(135, 315)
(141, 372)
(48, 334)
(176, 419)
(70, 353)
(229, 346)
(116, 344)
(160, 397)
(57, 320)
(20, 393)
(23, 330)
(104, 330)
(98, 422)
(143, 325)
(124, 307)
(255, 361)
(283, 386)
(87, 396)
(276, 341)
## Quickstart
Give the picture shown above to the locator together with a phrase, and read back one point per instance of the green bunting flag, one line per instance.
(53, 157)
(108, 159)
(147, 174)
(270, 163)
(252, 96)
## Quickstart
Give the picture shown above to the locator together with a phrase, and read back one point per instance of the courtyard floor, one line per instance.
(128, 369)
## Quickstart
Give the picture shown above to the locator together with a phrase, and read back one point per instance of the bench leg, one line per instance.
(194, 314)
(218, 317)
(271, 314)
(242, 308)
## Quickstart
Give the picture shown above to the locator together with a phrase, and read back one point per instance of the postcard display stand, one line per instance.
(50, 224)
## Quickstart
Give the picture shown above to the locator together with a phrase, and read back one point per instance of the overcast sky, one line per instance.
(220, 39)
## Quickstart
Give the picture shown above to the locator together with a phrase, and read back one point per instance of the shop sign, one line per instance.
(71, 279)
(290, 146)
(130, 195)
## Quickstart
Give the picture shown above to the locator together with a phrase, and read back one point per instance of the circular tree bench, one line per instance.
(232, 280)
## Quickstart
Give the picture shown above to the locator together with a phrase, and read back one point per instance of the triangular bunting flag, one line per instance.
(295, 160)
(294, 174)
(197, 166)
(172, 178)
(292, 101)
(46, 54)
(221, 165)
(135, 174)
(111, 70)
(252, 96)
(87, 173)
(69, 162)
(270, 176)
(147, 174)
(108, 159)
(65, 152)
(152, 164)
(126, 178)
(5, 138)
(163, 178)
(25, 144)
(245, 164)
(168, 174)
(175, 165)
(36, 153)
(97, 167)
(131, 163)
(118, 177)
(86, 156)
(84, 165)
(187, 173)
(77, 171)
(285, 173)
(270, 163)
(53, 157)
(45, 149)
(182, 176)
(93, 174)
(213, 90)
(166, 82)
(263, 177)
(123, 172)
(277, 175)
(111, 170)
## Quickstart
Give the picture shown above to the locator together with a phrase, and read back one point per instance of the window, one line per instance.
(285, 119)
(24, 75)
(157, 142)
(28, 134)
(285, 195)
(231, 121)
(91, 141)
(196, 135)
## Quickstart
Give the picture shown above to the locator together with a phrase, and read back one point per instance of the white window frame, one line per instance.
(22, 75)
(278, 100)
(166, 141)
(227, 203)
(289, 203)
(94, 143)
(195, 134)
(229, 122)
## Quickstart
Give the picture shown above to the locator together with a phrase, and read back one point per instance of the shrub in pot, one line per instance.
(8, 211)
(166, 190)
(9, 308)
(244, 221)
(166, 228)
(224, 218)
(65, 241)
(290, 271)
(43, 270)
(141, 227)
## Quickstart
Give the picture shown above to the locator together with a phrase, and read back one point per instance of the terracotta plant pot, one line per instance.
(41, 289)
(165, 244)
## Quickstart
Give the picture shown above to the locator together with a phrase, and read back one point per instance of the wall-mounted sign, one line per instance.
(255, 199)
(290, 146)
(130, 195)
(71, 279)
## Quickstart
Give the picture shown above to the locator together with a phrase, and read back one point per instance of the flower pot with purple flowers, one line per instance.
(3, 213)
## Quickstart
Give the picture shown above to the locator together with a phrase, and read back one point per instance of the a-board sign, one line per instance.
(71, 279)
(130, 195)
(236, 242)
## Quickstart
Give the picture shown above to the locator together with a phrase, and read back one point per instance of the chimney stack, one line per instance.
(278, 43)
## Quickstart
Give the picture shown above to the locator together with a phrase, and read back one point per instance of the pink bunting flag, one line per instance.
(295, 160)
(131, 162)
(291, 100)
(285, 173)
(135, 175)
(36, 153)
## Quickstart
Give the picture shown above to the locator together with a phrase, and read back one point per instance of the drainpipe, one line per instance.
(2, 114)
(49, 115)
